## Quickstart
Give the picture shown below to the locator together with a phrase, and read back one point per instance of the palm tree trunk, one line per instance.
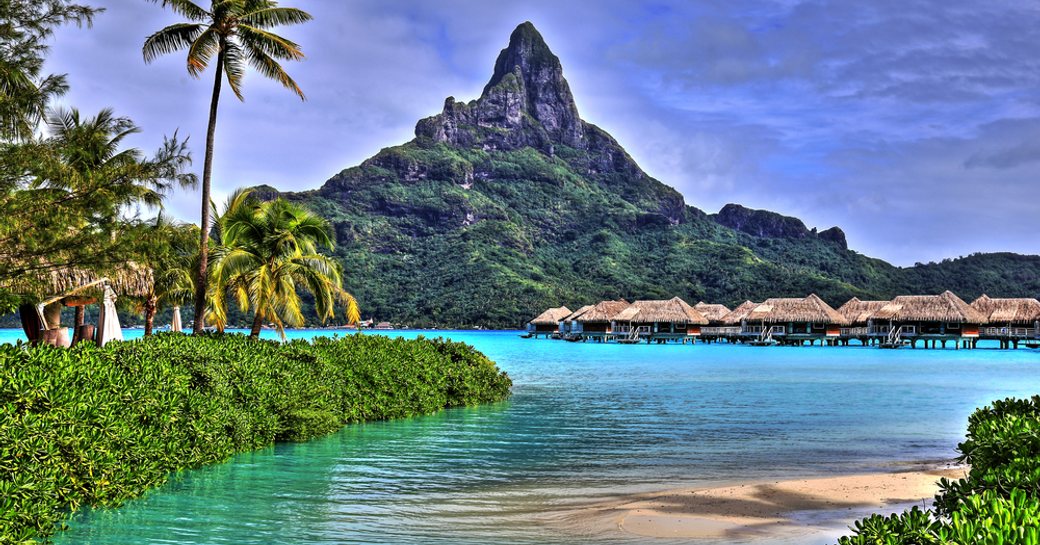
(207, 173)
(258, 322)
(149, 315)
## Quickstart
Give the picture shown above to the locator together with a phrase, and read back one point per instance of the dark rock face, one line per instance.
(835, 235)
(527, 102)
(761, 223)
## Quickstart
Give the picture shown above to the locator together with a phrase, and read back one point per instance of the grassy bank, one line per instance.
(998, 503)
(98, 426)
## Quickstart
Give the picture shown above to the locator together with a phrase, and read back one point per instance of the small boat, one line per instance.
(527, 335)
(1032, 344)
(573, 338)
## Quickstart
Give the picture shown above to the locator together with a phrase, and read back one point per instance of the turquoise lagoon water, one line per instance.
(585, 422)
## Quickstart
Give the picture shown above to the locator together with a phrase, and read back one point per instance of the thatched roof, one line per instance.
(574, 315)
(713, 312)
(811, 309)
(946, 307)
(552, 316)
(738, 314)
(1008, 311)
(604, 311)
(673, 310)
(858, 312)
(130, 280)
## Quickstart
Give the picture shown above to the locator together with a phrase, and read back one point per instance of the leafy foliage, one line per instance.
(99, 426)
(997, 503)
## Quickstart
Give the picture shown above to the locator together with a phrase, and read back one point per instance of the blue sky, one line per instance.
(913, 125)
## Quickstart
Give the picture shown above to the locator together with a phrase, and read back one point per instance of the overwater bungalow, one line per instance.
(597, 323)
(660, 321)
(715, 314)
(569, 325)
(931, 319)
(1009, 320)
(858, 314)
(547, 323)
(730, 324)
(793, 321)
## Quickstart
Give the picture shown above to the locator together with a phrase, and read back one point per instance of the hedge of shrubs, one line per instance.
(998, 503)
(98, 426)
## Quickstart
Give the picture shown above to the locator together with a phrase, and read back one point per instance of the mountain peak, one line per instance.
(526, 94)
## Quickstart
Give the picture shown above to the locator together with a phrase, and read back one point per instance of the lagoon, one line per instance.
(586, 422)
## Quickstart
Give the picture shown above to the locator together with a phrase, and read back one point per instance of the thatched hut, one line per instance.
(72, 287)
(598, 321)
(672, 319)
(1008, 319)
(936, 318)
(858, 312)
(570, 323)
(548, 322)
(794, 320)
(737, 315)
(713, 312)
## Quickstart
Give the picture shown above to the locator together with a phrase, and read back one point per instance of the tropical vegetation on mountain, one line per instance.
(509, 204)
(267, 252)
(236, 34)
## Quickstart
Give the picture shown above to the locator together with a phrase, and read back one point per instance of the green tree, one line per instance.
(269, 251)
(71, 194)
(25, 91)
(170, 251)
(236, 34)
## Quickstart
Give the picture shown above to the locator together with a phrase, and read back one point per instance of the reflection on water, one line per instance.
(585, 422)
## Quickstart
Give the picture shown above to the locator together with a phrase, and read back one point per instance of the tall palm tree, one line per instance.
(236, 33)
(270, 250)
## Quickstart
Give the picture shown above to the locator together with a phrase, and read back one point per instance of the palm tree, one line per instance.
(169, 249)
(235, 32)
(268, 251)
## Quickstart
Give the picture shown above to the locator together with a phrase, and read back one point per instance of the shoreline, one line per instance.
(774, 509)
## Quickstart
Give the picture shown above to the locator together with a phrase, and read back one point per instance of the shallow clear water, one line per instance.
(585, 421)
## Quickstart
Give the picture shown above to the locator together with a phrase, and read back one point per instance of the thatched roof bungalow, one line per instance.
(600, 318)
(737, 315)
(713, 312)
(1008, 312)
(672, 316)
(858, 312)
(806, 316)
(548, 321)
(944, 315)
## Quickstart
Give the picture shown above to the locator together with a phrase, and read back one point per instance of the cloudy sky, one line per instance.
(913, 125)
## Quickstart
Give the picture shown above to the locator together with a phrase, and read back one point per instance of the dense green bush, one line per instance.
(98, 426)
(997, 503)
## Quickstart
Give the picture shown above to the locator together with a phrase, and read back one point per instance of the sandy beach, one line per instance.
(763, 508)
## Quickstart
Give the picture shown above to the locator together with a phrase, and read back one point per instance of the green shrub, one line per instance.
(997, 503)
(98, 426)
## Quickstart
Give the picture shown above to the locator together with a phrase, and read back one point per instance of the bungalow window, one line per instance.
(953, 326)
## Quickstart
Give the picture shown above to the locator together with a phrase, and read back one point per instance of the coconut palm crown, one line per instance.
(268, 251)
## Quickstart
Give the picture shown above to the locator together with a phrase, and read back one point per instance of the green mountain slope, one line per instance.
(508, 204)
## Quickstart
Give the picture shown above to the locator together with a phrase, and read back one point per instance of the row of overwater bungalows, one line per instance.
(908, 320)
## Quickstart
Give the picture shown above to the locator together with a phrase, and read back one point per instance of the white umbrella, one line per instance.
(108, 320)
(176, 324)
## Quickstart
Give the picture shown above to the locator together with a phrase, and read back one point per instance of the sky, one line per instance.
(912, 125)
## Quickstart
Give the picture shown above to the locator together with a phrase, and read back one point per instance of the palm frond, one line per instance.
(171, 39)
